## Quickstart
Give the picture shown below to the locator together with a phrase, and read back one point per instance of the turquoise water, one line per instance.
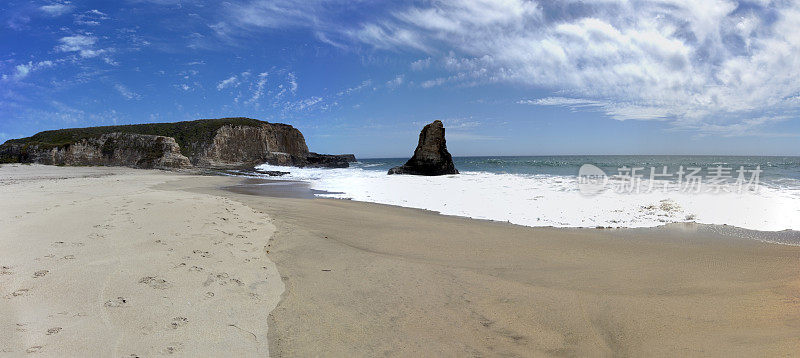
(778, 171)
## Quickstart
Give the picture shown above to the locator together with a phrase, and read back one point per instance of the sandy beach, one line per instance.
(123, 262)
(97, 263)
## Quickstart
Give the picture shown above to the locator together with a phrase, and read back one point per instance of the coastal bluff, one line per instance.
(205, 143)
(431, 156)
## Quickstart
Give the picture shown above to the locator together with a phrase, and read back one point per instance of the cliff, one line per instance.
(208, 143)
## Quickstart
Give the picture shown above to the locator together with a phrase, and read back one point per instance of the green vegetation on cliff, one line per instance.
(187, 134)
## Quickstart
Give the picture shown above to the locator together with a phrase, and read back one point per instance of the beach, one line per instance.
(119, 262)
(97, 263)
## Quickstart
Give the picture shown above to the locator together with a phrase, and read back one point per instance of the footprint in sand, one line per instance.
(17, 293)
(40, 273)
(202, 253)
(53, 330)
(155, 282)
(222, 279)
(177, 322)
(173, 348)
(118, 302)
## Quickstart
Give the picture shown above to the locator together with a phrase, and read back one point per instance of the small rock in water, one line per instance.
(272, 173)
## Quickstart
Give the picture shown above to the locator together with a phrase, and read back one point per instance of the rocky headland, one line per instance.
(206, 143)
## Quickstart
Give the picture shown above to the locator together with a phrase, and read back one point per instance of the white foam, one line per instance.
(540, 200)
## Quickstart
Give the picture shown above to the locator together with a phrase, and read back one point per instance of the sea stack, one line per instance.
(431, 156)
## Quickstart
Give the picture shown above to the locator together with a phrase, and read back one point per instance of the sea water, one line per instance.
(545, 190)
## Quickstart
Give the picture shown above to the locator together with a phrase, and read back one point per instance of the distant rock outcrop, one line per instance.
(112, 149)
(431, 156)
(330, 160)
(207, 143)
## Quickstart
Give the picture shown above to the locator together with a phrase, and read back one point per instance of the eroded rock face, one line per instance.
(272, 143)
(431, 156)
(210, 143)
(113, 149)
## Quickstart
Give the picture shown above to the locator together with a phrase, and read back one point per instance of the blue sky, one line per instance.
(508, 77)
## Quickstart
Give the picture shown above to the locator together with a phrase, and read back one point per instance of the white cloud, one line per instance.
(396, 81)
(303, 104)
(260, 85)
(127, 93)
(274, 13)
(84, 45)
(686, 61)
(253, 89)
(348, 91)
(292, 82)
(232, 81)
(458, 123)
(433, 83)
(90, 18)
(23, 70)
(422, 64)
(57, 9)
(560, 101)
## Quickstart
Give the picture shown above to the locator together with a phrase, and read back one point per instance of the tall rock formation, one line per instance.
(431, 156)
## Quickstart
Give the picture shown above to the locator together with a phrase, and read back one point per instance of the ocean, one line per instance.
(750, 192)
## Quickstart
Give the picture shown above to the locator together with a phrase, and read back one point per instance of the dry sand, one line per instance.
(364, 279)
(97, 264)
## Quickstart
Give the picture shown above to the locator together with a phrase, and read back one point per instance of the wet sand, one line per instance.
(273, 188)
(367, 279)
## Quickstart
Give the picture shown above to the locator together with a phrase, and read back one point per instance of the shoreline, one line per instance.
(363, 279)
(556, 200)
(387, 280)
(302, 190)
